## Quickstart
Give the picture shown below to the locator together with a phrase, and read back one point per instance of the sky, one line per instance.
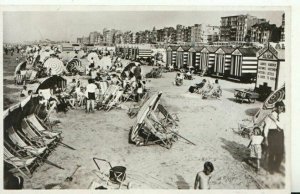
(66, 25)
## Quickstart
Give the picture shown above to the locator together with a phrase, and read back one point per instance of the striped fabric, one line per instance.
(179, 60)
(241, 65)
(174, 57)
(227, 62)
(20, 79)
(203, 61)
(144, 53)
(211, 60)
(249, 65)
(219, 66)
(236, 65)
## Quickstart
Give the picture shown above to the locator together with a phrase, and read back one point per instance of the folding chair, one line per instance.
(43, 129)
(168, 117)
(19, 163)
(19, 79)
(17, 140)
(36, 136)
(110, 93)
(115, 100)
(33, 76)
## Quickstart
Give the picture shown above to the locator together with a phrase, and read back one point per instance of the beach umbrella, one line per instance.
(52, 82)
(276, 96)
(94, 56)
(56, 65)
(75, 65)
(21, 66)
(129, 67)
(269, 104)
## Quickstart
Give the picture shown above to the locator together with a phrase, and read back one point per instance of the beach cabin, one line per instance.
(126, 49)
(129, 52)
(171, 55)
(67, 47)
(222, 61)
(202, 56)
(270, 75)
(182, 57)
(243, 64)
(211, 57)
(192, 57)
(144, 52)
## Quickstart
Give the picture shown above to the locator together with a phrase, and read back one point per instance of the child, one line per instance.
(203, 177)
(178, 79)
(255, 146)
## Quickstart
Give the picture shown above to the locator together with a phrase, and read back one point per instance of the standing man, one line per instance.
(274, 137)
(91, 93)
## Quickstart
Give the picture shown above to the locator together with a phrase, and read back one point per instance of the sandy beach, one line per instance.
(207, 123)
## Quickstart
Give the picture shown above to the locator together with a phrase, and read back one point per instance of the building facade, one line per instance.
(235, 28)
(282, 38)
(265, 32)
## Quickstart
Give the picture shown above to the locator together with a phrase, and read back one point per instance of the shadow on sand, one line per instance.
(251, 111)
(181, 183)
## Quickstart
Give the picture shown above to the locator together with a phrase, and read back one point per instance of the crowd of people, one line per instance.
(207, 89)
(267, 142)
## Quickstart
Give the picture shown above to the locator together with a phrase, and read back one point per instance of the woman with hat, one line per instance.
(274, 137)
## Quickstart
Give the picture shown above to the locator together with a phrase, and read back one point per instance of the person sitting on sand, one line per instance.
(188, 75)
(213, 91)
(179, 79)
(203, 177)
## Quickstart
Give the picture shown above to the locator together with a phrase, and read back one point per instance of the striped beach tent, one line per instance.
(203, 58)
(222, 61)
(145, 53)
(171, 55)
(243, 63)
(182, 57)
(211, 57)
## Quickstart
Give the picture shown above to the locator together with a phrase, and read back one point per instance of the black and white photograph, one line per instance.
(114, 98)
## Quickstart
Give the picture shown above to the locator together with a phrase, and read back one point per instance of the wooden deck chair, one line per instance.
(110, 93)
(32, 78)
(19, 79)
(115, 100)
(18, 141)
(103, 87)
(163, 137)
(20, 163)
(37, 125)
(36, 136)
(168, 117)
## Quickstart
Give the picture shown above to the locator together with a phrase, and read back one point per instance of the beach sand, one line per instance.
(207, 123)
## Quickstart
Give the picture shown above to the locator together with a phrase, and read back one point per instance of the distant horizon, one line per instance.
(19, 27)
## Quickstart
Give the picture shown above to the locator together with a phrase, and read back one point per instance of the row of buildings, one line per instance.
(238, 28)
